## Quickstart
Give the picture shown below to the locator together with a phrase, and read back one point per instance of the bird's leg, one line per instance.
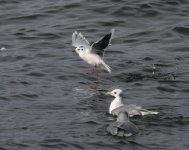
(93, 70)
(96, 70)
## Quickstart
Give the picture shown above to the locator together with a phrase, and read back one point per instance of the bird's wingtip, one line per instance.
(75, 33)
(113, 30)
(112, 35)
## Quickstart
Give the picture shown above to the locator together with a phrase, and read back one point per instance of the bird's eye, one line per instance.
(115, 92)
(82, 49)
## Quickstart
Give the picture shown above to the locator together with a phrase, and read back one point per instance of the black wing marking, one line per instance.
(99, 46)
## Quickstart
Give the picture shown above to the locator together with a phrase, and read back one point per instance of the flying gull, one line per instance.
(122, 126)
(117, 106)
(92, 54)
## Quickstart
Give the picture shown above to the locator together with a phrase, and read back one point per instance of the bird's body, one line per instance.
(91, 58)
(117, 106)
(122, 126)
(92, 54)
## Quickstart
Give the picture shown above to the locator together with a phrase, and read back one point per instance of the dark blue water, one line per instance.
(50, 100)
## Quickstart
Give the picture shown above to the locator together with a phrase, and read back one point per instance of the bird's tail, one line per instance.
(106, 67)
(149, 113)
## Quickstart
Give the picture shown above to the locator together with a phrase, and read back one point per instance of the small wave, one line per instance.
(8, 2)
(27, 17)
(53, 143)
(168, 121)
(131, 77)
(148, 59)
(3, 49)
(59, 9)
(36, 74)
(180, 49)
(50, 107)
(166, 89)
(4, 98)
(2, 148)
(181, 30)
(92, 122)
(48, 35)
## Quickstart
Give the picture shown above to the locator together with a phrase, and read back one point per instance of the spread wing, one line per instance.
(78, 40)
(99, 46)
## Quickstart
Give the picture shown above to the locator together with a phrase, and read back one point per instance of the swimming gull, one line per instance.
(117, 105)
(122, 126)
(92, 54)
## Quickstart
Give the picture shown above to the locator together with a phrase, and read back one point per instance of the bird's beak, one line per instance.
(109, 93)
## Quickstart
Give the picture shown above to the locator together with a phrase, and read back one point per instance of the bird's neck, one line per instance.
(118, 99)
(82, 54)
(117, 102)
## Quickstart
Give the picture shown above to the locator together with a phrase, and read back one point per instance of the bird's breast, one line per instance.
(91, 59)
(115, 104)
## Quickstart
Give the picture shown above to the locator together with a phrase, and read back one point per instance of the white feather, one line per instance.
(83, 48)
(78, 40)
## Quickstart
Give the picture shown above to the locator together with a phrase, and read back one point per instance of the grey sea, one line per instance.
(49, 100)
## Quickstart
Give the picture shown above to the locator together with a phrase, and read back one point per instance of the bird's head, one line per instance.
(79, 49)
(116, 93)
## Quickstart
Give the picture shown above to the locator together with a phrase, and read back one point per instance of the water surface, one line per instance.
(50, 100)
